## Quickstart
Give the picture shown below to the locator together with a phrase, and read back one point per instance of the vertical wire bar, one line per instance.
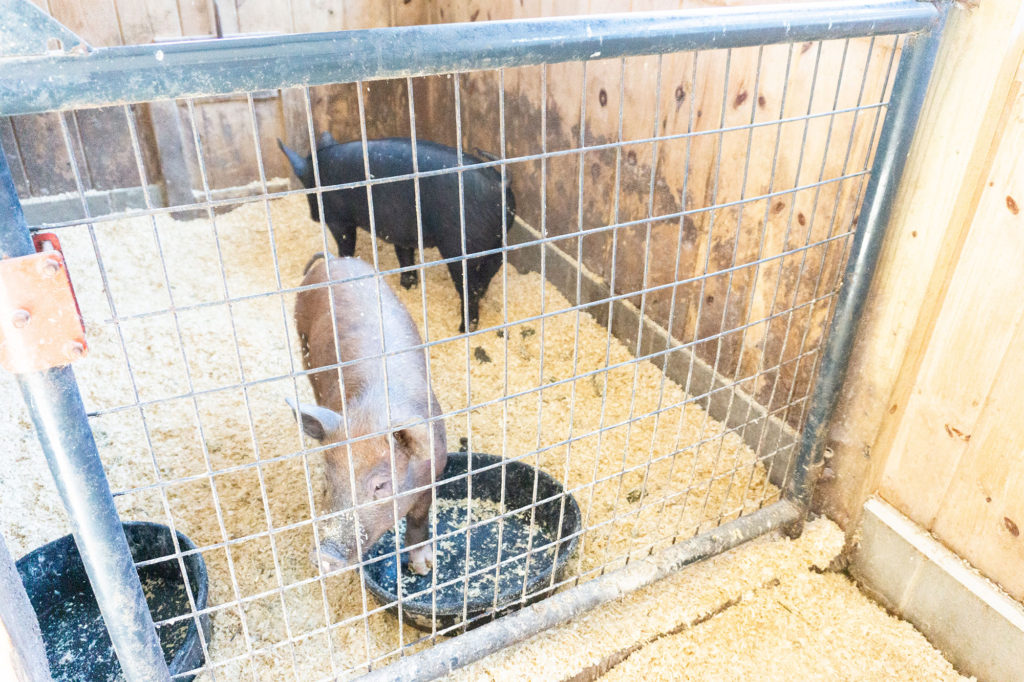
(505, 227)
(457, 89)
(908, 94)
(721, 336)
(81, 145)
(703, 283)
(384, 367)
(810, 222)
(243, 619)
(114, 314)
(843, 257)
(426, 353)
(543, 276)
(576, 334)
(318, 185)
(835, 211)
(188, 373)
(143, 180)
(611, 316)
(131, 373)
(757, 268)
(642, 314)
(607, 349)
(792, 207)
(807, 239)
(777, 378)
(307, 474)
(732, 273)
(58, 414)
(675, 277)
(264, 497)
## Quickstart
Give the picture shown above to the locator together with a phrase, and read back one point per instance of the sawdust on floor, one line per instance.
(809, 626)
(763, 611)
(207, 442)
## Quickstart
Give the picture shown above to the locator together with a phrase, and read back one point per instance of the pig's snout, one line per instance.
(330, 558)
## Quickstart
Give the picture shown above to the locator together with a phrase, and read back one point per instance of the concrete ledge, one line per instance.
(61, 207)
(975, 624)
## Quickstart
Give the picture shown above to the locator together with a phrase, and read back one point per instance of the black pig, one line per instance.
(394, 206)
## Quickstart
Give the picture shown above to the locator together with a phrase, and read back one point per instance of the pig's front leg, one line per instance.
(344, 236)
(417, 530)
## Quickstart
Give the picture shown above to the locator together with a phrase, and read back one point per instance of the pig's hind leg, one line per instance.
(417, 531)
(471, 302)
(407, 258)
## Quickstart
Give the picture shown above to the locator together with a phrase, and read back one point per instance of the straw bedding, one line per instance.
(262, 491)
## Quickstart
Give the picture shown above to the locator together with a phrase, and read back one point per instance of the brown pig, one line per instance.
(359, 323)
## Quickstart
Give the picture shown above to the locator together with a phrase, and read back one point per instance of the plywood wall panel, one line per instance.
(973, 345)
(960, 131)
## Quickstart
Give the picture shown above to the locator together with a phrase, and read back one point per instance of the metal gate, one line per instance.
(761, 440)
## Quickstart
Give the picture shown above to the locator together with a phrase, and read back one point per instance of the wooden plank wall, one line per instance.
(741, 312)
(720, 90)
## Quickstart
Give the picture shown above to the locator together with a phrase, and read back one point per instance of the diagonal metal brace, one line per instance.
(27, 31)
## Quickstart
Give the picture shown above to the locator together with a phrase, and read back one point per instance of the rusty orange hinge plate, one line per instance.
(40, 324)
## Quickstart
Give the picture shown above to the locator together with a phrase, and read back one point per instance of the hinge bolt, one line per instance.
(50, 267)
(74, 350)
(21, 318)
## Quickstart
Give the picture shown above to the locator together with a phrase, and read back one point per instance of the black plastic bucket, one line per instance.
(77, 644)
(530, 562)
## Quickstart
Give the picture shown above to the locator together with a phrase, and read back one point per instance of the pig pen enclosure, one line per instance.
(696, 203)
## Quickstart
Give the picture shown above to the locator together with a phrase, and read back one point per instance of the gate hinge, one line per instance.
(40, 323)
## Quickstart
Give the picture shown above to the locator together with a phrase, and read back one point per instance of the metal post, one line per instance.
(62, 428)
(906, 100)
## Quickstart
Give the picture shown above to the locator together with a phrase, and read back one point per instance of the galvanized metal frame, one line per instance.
(32, 84)
(62, 427)
(142, 73)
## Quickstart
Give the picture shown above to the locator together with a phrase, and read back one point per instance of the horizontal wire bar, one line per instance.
(476, 406)
(579, 437)
(283, 291)
(599, 568)
(372, 182)
(558, 608)
(503, 327)
(381, 608)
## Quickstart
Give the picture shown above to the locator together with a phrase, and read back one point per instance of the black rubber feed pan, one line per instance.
(77, 645)
(528, 559)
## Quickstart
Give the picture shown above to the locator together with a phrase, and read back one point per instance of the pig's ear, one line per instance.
(317, 422)
(325, 140)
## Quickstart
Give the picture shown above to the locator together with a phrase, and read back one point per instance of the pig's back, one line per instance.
(359, 325)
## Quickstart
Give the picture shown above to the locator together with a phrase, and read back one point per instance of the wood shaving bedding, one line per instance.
(810, 626)
(763, 611)
(247, 436)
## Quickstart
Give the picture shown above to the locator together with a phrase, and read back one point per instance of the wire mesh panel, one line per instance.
(656, 242)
